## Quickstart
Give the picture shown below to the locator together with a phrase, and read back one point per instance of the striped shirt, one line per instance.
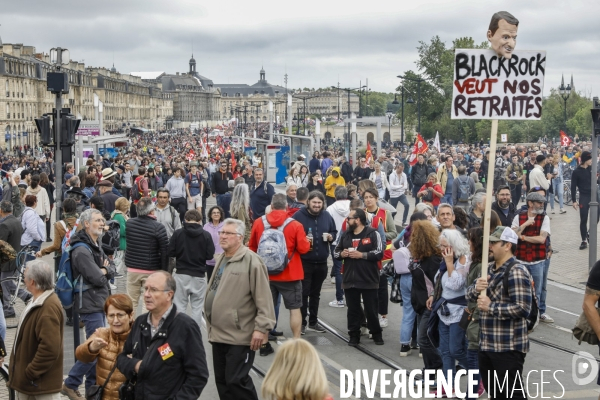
(504, 326)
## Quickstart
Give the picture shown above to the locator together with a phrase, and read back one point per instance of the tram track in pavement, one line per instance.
(259, 371)
(375, 355)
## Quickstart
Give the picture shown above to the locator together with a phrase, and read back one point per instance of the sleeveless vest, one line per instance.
(526, 251)
(380, 217)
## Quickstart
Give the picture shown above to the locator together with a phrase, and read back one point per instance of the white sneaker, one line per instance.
(383, 322)
(113, 287)
(364, 331)
(337, 304)
(333, 280)
(546, 318)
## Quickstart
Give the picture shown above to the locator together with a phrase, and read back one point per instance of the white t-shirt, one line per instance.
(545, 223)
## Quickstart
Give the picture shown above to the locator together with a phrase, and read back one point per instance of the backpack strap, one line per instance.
(285, 223)
(281, 228)
(265, 222)
(505, 277)
(172, 210)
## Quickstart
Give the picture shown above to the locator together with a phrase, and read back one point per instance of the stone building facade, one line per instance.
(128, 101)
(249, 103)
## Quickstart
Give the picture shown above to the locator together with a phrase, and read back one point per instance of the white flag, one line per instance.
(436, 142)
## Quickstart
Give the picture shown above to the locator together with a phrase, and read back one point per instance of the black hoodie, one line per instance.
(192, 246)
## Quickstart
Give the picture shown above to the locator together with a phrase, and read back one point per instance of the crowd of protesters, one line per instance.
(336, 219)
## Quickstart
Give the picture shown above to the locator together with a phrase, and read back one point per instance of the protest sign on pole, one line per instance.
(494, 84)
(489, 87)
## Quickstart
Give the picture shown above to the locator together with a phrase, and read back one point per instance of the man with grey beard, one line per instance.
(533, 227)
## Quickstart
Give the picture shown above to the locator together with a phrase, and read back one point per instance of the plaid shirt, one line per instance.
(504, 326)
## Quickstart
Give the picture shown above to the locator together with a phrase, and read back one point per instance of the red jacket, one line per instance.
(295, 239)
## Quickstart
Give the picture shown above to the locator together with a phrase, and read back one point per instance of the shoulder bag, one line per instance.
(95, 392)
(583, 331)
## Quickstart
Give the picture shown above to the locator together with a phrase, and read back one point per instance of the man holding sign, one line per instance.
(503, 318)
(503, 84)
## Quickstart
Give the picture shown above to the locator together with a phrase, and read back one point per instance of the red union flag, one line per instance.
(191, 155)
(368, 153)
(419, 148)
(564, 139)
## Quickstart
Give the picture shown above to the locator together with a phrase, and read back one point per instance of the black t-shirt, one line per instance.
(594, 277)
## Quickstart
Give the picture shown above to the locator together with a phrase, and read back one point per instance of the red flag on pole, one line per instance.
(564, 139)
(233, 162)
(368, 154)
(419, 148)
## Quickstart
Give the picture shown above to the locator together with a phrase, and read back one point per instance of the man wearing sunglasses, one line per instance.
(220, 182)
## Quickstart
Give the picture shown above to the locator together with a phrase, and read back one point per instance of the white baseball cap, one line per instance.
(504, 234)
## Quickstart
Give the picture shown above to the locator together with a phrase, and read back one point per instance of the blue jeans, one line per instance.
(447, 199)
(402, 199)
(336, 271)
(453, 347)
(2, 327)
(92, 322)
(37, 246)
(542, 298)
(473, 364)
(537, 273)
(559, 190)
(219, 199)
(408, 313)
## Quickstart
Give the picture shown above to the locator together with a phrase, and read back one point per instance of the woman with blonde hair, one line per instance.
(380, 179)
(296, 374)
(294, 178)
(240, 206)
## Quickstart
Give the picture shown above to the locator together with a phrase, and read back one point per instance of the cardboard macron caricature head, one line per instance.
(502, 33)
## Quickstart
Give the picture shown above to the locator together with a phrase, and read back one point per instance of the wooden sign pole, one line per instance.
(488, 201)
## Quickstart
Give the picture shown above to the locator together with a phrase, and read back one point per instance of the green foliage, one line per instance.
(436, 64)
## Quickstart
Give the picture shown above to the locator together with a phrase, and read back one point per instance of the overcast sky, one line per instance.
(318, 42)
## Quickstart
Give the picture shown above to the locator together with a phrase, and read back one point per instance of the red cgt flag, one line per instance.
(564, 139)
(419, 148)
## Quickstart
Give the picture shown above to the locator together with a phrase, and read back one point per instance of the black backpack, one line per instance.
(111, 239)
(534, 315)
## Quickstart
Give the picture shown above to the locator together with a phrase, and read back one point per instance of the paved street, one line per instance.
(568, 273)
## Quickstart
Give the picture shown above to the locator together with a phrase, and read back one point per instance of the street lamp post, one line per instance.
(565, 92)
(395, 102)
(418, 80)
(304, 99)
(348, 90)
(389, 114)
